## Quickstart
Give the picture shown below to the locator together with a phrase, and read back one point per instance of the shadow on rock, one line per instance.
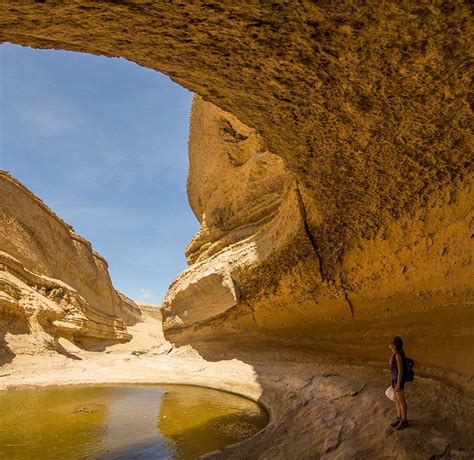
(319, 404)
(54, 345)
(6, 354)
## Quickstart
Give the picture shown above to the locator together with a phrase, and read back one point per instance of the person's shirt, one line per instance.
(394, 366)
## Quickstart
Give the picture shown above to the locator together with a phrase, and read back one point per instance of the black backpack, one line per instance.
(411, 373)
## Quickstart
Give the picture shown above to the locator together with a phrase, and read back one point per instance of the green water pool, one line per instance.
(123, 422)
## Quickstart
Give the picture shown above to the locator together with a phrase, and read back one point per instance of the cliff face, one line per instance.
(255, 264)
(243, 196)
(51, 280)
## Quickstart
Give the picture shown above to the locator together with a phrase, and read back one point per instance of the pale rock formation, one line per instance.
(338, 214)
(52, 283)
(246, 202)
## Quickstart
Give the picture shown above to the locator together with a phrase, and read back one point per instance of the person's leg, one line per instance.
(403, 404)
(397, 404)
(403, 407)
(399, 407)
(399, 413)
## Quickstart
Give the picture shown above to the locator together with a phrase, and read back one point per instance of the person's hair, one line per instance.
(397, 342)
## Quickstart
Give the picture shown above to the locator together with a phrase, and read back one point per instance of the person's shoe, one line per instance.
(396, 422)
(402, 425)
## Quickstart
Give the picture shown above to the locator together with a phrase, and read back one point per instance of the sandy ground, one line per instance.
(319, 406)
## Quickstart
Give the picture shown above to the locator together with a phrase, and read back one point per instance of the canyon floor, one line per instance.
(319, 405)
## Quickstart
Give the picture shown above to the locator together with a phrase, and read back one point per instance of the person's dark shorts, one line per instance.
(402, 384)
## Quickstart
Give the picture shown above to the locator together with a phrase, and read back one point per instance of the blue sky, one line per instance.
(104, 143)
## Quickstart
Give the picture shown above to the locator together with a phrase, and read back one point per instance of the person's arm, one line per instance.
(400, 371)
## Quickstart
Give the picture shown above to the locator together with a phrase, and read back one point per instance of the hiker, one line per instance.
(399, 373)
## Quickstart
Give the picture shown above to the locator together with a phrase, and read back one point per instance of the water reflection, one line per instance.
(160, 422)
(131, 424)
(196, 421)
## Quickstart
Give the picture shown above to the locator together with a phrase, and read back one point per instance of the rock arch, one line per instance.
(367, 103)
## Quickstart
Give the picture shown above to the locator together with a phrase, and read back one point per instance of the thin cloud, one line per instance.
(145, 294)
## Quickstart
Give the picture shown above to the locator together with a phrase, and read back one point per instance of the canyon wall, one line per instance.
(255, 265)
(51, 280)
(368, 106)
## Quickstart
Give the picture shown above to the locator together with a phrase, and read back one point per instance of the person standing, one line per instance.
(399, 373)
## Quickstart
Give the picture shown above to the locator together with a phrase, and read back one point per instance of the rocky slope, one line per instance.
(52, 283)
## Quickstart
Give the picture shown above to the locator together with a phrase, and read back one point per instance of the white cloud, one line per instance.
(145, 294)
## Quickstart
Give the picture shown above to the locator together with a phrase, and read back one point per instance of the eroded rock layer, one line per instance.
(51, 280)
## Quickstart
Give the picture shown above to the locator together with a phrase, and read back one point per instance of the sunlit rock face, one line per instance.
(51, 280)
(367, 105)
